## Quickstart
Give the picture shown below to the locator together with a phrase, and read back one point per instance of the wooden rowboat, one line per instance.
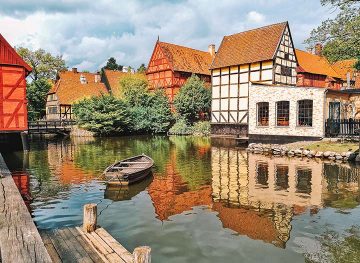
(129, 171)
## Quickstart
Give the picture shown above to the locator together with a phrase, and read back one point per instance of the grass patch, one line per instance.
(332, 146)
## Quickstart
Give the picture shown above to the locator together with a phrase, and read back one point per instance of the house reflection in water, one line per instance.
(258, 196)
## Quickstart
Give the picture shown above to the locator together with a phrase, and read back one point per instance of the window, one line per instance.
(262, 174)
(303, 180)
(305, 112)
(286, 56)
(282, 177)
(263, 113)
(286, 71)
(52, 110)
(282, 113)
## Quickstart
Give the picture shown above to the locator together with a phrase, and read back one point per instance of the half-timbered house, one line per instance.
(70, 87)
(315, 70)
(264, 55)
(171, 65)
(13, 103)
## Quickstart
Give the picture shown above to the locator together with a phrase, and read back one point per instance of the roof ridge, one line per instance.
(183, 46)
(254, 29)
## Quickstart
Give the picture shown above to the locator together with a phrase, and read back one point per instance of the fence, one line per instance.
(343, 127)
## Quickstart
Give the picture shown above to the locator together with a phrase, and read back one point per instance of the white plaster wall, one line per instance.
(272, 94)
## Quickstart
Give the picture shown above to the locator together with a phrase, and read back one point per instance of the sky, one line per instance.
(86, 33)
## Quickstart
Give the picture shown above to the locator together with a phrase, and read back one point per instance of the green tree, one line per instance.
(193, 99)
(36, 95)
(141, 69)
(44, 65)
(112, 65)
(104, 115)
(340, 36)
(357, 64)
(134, 89)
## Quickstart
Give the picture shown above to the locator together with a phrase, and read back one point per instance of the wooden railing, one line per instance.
(50, 126)
(343, 127)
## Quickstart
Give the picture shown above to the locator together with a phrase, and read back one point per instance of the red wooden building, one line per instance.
(13, 103)
(171, 65)
(315, 70)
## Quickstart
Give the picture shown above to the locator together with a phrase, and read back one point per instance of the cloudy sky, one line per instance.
(88, 32)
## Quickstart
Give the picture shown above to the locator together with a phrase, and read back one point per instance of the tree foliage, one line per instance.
(36, 92)
(141, 69)
(340, 36)
(193, 99)
(44, 65)
(104, 115)
(134, 89)
(112, 65)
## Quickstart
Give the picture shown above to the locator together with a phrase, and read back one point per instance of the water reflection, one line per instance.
(239, 196)
(258, 196)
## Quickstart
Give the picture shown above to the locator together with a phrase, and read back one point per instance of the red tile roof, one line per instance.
(113, 78)
(9, 56)
(250, 46)
(342, 67)
(69, 89)
(187, 59)
(314, 64)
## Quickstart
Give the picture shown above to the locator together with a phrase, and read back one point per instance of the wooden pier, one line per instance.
(90, 244)
(60, 127)
(20, 240)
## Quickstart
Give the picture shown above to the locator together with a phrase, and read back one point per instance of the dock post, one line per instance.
(90, 218)
(142, 254)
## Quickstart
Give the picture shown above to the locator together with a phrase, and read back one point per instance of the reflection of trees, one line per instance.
(192, 158)
(338, 248)
(342, 186)
(97, 155)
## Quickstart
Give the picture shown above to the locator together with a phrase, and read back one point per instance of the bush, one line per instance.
(193, 100)
(104, 115)
(181, 127)
(202, 128)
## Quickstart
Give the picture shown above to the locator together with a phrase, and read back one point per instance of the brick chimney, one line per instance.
(97, 77)
(318, 49)
(212, 50)
(74, 70)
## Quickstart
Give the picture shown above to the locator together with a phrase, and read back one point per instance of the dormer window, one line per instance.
(82, 79)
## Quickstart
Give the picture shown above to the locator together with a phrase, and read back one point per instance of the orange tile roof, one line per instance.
(187, 59)
(69, 89)
(250, 46)
(314, 64)
(342, 67)
(113, 78)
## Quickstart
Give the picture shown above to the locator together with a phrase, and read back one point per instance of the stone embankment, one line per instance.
(282, 150)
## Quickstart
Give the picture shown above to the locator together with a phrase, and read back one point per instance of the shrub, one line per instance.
(104, 115)
(193, 100)
(202, 128)
(181, 127)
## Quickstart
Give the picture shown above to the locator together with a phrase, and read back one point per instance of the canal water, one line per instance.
(206, 201)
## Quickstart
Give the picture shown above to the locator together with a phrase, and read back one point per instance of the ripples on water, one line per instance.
(204, 203)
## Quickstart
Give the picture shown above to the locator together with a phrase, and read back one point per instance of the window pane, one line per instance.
(262, 175)
(263, 114)
(282, 114)
(305, 112)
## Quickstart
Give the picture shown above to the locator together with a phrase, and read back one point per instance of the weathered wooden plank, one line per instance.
(65, 253)
(50, 247)
(91, 243)
(115, 245)
(20, 240)
(87, 247)
(80, 253)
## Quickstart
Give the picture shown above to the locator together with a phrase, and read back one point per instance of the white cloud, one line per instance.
(255, 17)
(127, 30)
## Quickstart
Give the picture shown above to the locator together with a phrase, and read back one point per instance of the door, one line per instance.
(333, 122)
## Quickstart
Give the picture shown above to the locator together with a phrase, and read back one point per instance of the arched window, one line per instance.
(305, 113)
(282, 113)
(263, 113)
